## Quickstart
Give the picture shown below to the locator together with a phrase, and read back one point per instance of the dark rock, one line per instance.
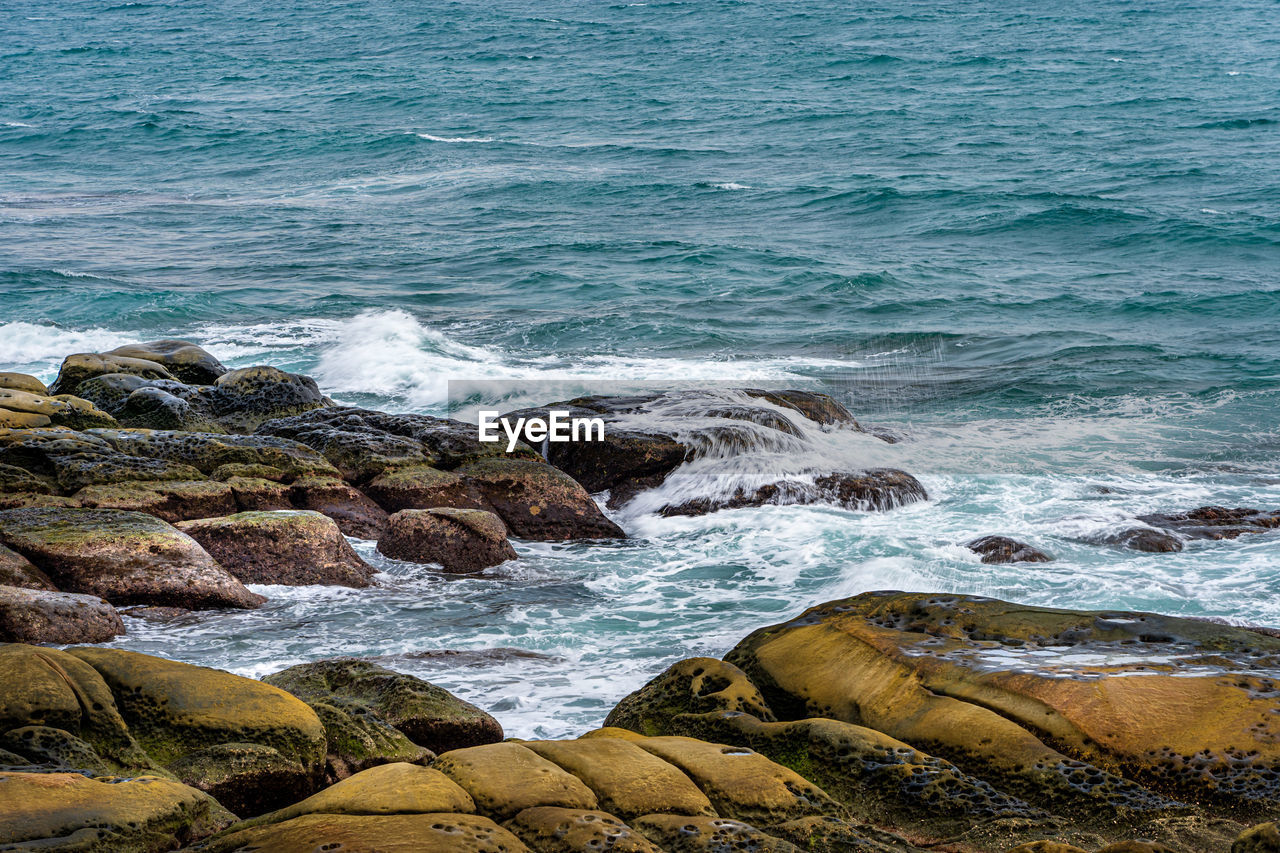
(293, 547)
(460, 540)
(538, 501)
(73, 460)
(359, 739)
(819, 408)
(693, 686)
(248, 778)
(183, 359)
(423, 487)
(1002, 549)
(1146, 539)
(875, 489)
(170, 501)
(356, 514)
(17, 570)
(45, 616)
(156, 408)
(244, 399)
(1216, 522)
(83, 366)
(55, 749)
(428, 715)
(681, 834)
(1263, 838)
(212, 453)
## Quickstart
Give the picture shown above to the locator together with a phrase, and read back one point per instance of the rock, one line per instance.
(294, 548)
(258, 494)
(47, 748)
(1263, 838)
(1137, 847)
(110, 392)
(693, 686)
(359, 739)
(56, 690)
(83, 366)
(505, 779)
(383, 790)
(64, 411)
(549, 829)
(355, 513)
(23, 420)
(1046, 847)
(176, 709)
(248, 778)
(44, 616)
(244, 399)
(171, 501)
(14, 479)
(828, 833)
(1216, 522)
(394, 833)
(679, 834)
(123, 557)
(1002, 549)
(1147, 539)
(211, 453)
(23, 382)
(460, 540)
(188, 362)
(627, 780)
(934, 670)
(16, 570)
(428, 715)
(876, 489)
(820, 408)
(68, 811)
(153, 407)
(538, 501)
(72, 460)
(422, 487)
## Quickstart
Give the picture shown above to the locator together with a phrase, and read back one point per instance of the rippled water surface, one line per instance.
(1041, 241)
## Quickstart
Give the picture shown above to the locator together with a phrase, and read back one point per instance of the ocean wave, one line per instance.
(40, 348)
(456, 139)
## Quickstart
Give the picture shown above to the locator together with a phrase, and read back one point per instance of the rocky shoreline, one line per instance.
(154, 477)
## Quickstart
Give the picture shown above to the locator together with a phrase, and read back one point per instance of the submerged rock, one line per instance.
(877, 489)
(1002, 549)
(44, 616)
(1216, 522)
(292, 547)
(1148, 539)
(460, 540)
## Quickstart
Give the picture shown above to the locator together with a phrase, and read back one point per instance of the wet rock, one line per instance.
(384, 833)
(83, 366)
(23, 382)
(185, 360)
(123, 557)
(17, 570)
(549, 829)
(244, 399)
(248, 778)
(538, 501)
(72, 460)
(1216, 522)
(692, 686)
(1002, 549)
(1263, 838)
(170, 501)
(680, 834)
(428, 715)
(69, 811)
(460, 540)
(422, 487)
(627, 780)
(505, 779)
(293, 547)
(47, 748)
(212, 453)
(64, 411)
(354, 512)
(819, 408)
(876, 489)
(1147, 539)
(933, 670)
(175, 710)
(44, 616)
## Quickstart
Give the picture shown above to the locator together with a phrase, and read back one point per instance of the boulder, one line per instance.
(550, 829)
(14, 480)
(164, 408)
(244, 399)
(23, 420)
(1002, 549)
(44, 616)
(698, 834)
(46, 748)
(826, 833)
(445, 832)
(23, 382)
(356, 515)
(212, 453)
(258, 493)
(422, 487)
(359, 739)
(460, 540)
(538, 501)
(83, 366)
(68, 811)
(505, 779)
(1215, 522)
(428, 715)
(123, 557)
(171, 501)
(185, 360)
(1149, 539)
(64, 411)
(17, 570)
(294, 547)
(1263, 838)
(248, 778)
(72, 460)
(692, 686)
(933, 671)
(876, 489)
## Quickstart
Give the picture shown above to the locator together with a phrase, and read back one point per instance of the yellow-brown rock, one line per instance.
(682, 834)
(549, 829)
(417, 833)
(507, 778)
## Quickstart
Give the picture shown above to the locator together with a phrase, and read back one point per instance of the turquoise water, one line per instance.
(1043, 242)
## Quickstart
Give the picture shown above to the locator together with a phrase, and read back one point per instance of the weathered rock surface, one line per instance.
(538, 501)
(355, 513)
(292, 547)
(1263, 838)
(505, 779)
(185, 360)
(247, 778)
(45, 616)
(393, 833)
(422, 487)
(549, 829)
(17, 570)
(460, 540)
(1148, 539)
(175, 500)
(84, 366)
(1002, 549)
(427, 715)
(23, 382)
(691, 686)
(64, 410)
(1216, 522)
(698, 834)
(874, 489)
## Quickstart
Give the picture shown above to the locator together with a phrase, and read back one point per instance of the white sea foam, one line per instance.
(730, 185)
(433, 138)
(39, 349)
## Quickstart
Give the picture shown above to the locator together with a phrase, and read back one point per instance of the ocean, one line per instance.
(1040, 241)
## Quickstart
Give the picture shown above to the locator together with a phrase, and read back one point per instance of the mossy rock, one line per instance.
(243, 399)
(48, 616)
(69, 811)
(154, 407)
(174, 500)
(538, 501)
(412, 833)
(356, 514)
(550, 829)
(83, 366)
(459, 540)
(15, 479)
(627, 780)
(23, 382)
(248, 778)
(72, 460)
(210, 453)
(54, 689)
(17, 570)
(683, 834)
(295, 547)
(358, 740)
(254, 494)
(174, 709)
(505, 779)
(123, 557)
(185, 360)
(428, 715)
(58, 749)
(827, 833)
(1263, 838)
(691, 686)
(422, 487)
(64, 410)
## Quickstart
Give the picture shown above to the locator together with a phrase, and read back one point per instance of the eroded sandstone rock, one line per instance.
(460, 540)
